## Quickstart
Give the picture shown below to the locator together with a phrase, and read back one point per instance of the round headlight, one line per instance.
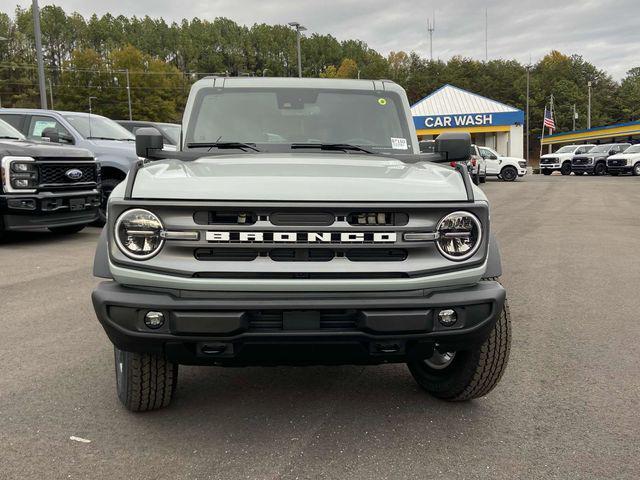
(137, 234)
(460, 235)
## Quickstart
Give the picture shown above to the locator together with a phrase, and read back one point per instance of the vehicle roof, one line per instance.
(295, 82)
(43, 111)
(147, 122)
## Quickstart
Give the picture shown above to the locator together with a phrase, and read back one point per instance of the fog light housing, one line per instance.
(154, 320)
(447, 317)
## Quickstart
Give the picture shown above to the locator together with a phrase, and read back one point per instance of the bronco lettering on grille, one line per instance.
(301, 237)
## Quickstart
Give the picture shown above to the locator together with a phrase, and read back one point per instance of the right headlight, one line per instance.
(459, 235)
(137, 233)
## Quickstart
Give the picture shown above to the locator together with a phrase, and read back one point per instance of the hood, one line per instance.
(624, 156)
(299, 177)
(41, 149)
(516, 159)
(113, 147)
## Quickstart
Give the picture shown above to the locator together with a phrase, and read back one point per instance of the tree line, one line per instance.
(92, 57)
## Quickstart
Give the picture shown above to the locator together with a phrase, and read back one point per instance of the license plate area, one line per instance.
(76, 204)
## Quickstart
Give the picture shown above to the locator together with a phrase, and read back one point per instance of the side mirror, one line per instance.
(493, 157)
(51, 134)
(454, 146)
(148, 139)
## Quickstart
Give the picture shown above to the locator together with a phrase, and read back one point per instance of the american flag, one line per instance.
(548, 119)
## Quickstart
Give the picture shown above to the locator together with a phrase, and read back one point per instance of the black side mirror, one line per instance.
(454, 147)
(148, 139)
(51, 134)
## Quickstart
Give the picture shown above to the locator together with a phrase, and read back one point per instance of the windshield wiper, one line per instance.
(8, 137)
(221, 145)
(332, 146)
(102, 138)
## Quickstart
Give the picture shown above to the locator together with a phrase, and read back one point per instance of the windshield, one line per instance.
(584, 149)
(567, 149)
(99, 127)
(275, 116)
(7, 131)
(633, 149)
(600, 149)
(171, 130)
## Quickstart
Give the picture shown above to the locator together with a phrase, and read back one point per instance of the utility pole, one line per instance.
(51, 94)
(38, 38)
(589, 107)
(575, 116)
(129, 94)
(431, 27)
(486, 34)
(527, 111)
(90, 111)
(299, 28)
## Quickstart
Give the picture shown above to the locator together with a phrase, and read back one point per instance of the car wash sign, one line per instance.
(467, 120)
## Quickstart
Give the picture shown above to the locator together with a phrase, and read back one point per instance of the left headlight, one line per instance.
(138, 234)
(459, 235)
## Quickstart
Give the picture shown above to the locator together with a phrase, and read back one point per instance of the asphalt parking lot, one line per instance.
(566, 408)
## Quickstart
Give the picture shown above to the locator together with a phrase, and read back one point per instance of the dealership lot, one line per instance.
(566, 408)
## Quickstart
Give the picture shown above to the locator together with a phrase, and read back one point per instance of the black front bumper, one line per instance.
(620, 168)
(31, 211)
(285, 328)
(583, 168)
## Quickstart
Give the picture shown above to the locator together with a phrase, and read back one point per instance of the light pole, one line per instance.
(38, 36)
(589, 106)
(528, 67)
(90, 111)
(299, 28)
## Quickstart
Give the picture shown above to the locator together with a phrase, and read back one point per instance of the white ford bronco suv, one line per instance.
(298, 223)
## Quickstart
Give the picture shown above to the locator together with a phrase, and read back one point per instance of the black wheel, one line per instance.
(546, 172)
(579, 173)
(108, 184)
(465, 375)
(3, 232)
(614, 174)
(600, 169)
(509, 173)
(144, 381)
(636, 169)
(68, 230)
(565, 169)
(475, 178)
(483, 179)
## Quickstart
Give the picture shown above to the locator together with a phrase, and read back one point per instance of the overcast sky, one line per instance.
(604, 32)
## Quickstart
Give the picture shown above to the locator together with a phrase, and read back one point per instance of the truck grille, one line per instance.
(580, 161)
(548, 160)
(617, 163)
(54, 174)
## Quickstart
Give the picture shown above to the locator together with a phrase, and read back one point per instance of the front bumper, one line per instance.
(550, 166)
(585, 168)
(620, 168)
(31, 211)
(266, 328)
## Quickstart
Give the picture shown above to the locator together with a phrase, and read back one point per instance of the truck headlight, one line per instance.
(19, 174)
(137, 234)
(459, 235)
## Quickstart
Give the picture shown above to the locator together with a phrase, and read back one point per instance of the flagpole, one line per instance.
(542, 137)
(552, 117)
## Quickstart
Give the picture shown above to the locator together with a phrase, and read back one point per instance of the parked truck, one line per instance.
(299, 224)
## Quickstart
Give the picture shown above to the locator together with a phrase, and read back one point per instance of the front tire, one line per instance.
(144, 381)
(600, 169)
(565, 169)
(509, 174)
(108, 184)
(68, 230)
(579, 173)
(465, 375)
(546, 172)
(636, 169)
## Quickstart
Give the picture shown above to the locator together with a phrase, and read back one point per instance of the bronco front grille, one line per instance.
(55, 174)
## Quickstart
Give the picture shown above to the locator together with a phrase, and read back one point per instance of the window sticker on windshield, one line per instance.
(399, 143)
(382, 101)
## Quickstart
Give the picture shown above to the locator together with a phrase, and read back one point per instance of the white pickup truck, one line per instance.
(561, 159)
(505, 168)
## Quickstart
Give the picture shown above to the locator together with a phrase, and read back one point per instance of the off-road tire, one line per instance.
(600, 169)
(636, 169)
(473, 373)
(108, 184)
(509, 174)
(547, 172)
(68, 230)
(483, 179)
(144, 381)
(565, 168)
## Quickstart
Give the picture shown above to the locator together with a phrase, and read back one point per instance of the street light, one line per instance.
(589, 107)
(299, 28)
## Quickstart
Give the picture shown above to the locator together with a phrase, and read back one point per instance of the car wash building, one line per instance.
(490, 123)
